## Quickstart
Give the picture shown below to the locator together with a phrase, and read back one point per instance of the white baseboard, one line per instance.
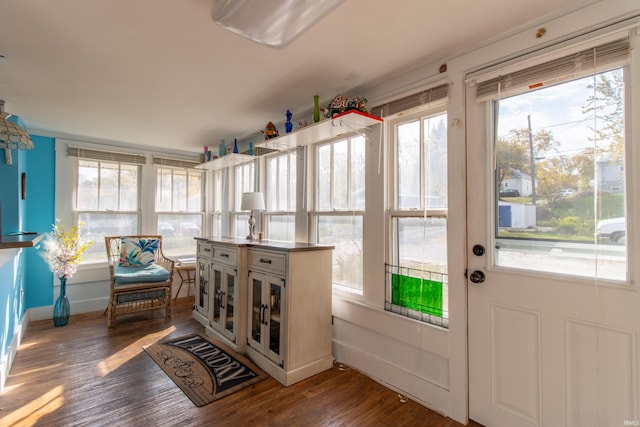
(88, 306)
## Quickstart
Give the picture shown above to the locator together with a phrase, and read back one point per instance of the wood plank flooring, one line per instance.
(85, 374)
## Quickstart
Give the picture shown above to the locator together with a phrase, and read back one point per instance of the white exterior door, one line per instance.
(554, 327)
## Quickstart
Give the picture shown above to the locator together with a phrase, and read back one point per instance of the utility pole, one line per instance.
(533, 164)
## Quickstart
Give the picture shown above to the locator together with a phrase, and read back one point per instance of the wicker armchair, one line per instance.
(141, 278)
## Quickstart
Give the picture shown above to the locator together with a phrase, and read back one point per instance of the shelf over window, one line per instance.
(232, 159)
(348, 122)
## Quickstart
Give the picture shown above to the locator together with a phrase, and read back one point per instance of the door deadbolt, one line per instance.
(478, 250)
(477, 277)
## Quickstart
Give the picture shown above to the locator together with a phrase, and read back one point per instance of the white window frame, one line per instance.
(244, 179)
(215, 202)
(423, 211)
(183, 211)
(332, 211)
(78, 154)
(272, 190)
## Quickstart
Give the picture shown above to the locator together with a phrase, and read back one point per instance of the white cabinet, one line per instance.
(224, 297)
(289, 320)
(266, 317)
(270, 301)
(203, 264)
(220, 305)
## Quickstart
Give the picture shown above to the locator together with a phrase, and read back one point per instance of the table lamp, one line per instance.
(252, 201)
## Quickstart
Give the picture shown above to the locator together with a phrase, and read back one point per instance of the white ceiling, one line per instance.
(161, 73)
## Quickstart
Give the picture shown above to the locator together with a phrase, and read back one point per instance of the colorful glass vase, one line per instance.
(316, 108)
(61, 307)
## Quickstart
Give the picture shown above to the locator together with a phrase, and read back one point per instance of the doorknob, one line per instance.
(477, 277)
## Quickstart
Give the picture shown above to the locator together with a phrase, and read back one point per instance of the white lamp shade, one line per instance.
(252, 201)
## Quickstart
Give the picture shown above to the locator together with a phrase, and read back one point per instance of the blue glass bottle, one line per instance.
(222, 149)
(61, 307)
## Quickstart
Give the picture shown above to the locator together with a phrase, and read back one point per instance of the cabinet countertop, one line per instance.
(266, 244)
(11, 241)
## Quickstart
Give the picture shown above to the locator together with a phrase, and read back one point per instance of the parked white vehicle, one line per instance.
(613, 229)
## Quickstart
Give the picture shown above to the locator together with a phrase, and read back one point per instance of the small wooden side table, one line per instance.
(185, 270)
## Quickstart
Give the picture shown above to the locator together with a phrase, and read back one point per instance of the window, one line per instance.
(340, 196)
(178, 205)
(244, 181)
(280, 197)
(216, 202)
(417, 277)
(107, 196)
(560, 187)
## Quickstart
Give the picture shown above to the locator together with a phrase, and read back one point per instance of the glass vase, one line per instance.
(61, 307)
(316, 109)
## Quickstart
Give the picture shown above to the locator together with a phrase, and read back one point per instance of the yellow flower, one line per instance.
(63, 250)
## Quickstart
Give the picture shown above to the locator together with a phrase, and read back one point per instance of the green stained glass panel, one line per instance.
(417, 294)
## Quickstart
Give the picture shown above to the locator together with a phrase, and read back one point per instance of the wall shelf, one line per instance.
(11, 241)
(232, 159)
(348, 122)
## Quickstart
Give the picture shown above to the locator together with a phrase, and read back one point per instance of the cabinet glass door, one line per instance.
(202, 305)
(257, 308)
(229, 303)
(275, 323)
(217, 295)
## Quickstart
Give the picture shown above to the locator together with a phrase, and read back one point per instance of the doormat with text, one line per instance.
(203, 368)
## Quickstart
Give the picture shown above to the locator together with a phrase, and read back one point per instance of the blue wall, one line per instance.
(39, 215)
(26, 272)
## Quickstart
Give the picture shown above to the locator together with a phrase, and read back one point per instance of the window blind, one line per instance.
(415, 100)
(174, 163)
(84, 153)
(580, 64)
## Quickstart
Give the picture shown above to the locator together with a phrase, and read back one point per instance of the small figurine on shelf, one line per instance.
(235, 145)
(288, 125)
(270, 131)
(338, 105)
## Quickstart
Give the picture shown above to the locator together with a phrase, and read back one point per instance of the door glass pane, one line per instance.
(256, 309)
(230, 302)
(559, 179)
(274, 321)
(203, 287)
(217, 294)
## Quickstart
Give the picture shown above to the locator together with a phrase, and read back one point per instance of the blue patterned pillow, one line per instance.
(137, 252)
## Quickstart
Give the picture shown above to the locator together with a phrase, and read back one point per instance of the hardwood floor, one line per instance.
(85, 374)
